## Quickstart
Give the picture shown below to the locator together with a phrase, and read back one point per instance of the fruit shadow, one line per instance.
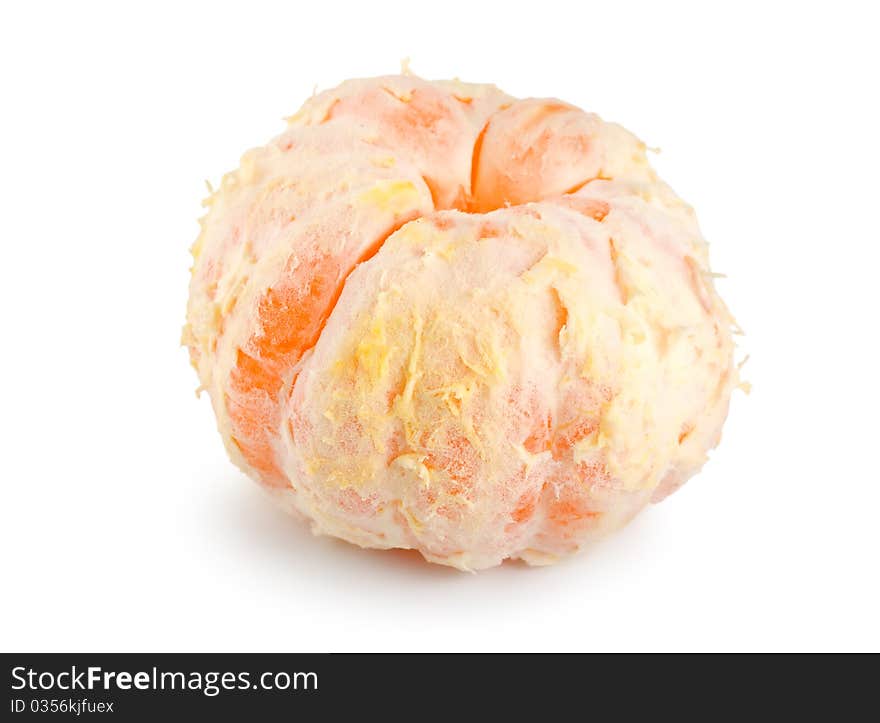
(271, 535)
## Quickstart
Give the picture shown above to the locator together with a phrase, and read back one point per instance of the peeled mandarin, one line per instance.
(432, 316)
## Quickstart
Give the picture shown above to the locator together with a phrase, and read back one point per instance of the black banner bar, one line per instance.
(410, 687)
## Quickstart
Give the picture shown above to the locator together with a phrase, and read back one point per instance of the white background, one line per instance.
(124, 527)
